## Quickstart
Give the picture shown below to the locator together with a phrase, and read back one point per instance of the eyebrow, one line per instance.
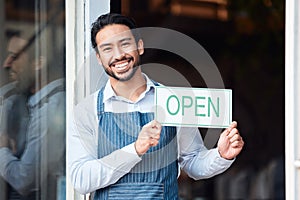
(126, 39)
(109, 44)
(104, 45)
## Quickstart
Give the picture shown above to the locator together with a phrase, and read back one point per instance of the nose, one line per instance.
(118, 53)
(8, 62)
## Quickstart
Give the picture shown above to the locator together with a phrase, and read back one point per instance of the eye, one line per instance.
(125, 44)
(14, 56)
(106, 49)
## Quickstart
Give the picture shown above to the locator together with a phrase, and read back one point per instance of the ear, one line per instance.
(140, 46)
(40, 63)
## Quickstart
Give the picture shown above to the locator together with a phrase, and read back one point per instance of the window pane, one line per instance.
(246, 41)
(32, 91)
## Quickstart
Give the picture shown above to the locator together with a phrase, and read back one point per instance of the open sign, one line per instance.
(199, 107)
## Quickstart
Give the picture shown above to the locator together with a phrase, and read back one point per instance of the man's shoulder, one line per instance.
(87, 104)
(85, 112)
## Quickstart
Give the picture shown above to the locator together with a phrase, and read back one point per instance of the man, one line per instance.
(11, 99)
(116, 148)
(11, 102)
(33, 173)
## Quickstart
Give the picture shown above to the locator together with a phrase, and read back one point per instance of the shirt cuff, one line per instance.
(220, 160)
(130, 149)
(122, 160)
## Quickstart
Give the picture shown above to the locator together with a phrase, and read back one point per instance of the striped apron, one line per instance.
(155, 177)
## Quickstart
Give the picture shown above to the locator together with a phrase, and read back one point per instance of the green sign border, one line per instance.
(196, 125)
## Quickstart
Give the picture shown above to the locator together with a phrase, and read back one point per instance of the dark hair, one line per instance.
(108, 19)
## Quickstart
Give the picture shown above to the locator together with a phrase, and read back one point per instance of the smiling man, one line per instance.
(118, 55)
(117, 150)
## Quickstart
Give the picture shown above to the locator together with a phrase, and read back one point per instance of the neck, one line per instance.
(130, 89)
(4, 78)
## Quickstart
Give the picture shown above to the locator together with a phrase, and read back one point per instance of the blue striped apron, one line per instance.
(155, 177)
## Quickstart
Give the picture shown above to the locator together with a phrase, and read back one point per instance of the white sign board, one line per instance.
(193, 107)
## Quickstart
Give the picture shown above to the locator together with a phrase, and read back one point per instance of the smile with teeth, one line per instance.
(121, 65)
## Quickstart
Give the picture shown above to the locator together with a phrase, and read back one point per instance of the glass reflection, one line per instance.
(32, 91)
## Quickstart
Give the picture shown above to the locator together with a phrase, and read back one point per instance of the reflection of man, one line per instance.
(117, 150)
(8, 93)
(34, 172)
(14, 111)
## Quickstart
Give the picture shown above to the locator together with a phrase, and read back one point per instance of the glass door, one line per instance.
(32, 89)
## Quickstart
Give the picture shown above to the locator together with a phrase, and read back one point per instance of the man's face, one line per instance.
(19, 66)
(118, 51)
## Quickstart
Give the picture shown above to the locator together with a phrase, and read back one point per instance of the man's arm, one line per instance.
(87, 172)
(20, 173)
(44, 148)
(195, 159)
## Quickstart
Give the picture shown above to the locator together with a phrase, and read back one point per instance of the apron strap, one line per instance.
(100, 104)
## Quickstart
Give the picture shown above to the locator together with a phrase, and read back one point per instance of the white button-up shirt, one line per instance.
(89, 173)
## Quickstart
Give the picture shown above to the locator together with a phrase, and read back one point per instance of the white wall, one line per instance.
(82, 71)
(292, 97)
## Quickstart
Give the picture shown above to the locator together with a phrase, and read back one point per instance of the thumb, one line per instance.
(154, 124)
(231, 126)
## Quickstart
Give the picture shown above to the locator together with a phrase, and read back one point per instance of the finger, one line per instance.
(149, 134)
(232, 126)
(237, 144)
(232, 133)
(234, 138)
(224, 134)
(149, 124)
(154, 133)
(228, 129)
(155, 124)
(152, 124)
(153, 127)
(154, 142)
(156, 129)
(155, 136)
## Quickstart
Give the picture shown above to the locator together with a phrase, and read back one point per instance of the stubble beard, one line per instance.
(24, 83)
(125, 78)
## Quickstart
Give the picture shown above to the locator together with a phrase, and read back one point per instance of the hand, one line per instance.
(148, 137)
(4, 140)
(230, 142)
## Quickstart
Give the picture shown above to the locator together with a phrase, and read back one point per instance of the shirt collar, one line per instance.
(35, 99)
(4, 89)
(109, 93)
